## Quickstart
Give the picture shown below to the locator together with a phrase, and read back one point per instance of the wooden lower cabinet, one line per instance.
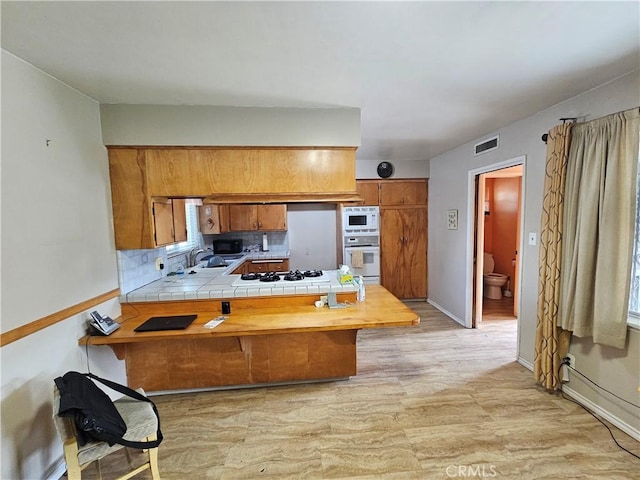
(263, 266)
(243, 360)
(403, 251)
(244, 268)
(272, 265)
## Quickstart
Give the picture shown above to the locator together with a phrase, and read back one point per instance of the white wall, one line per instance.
(312, 236)
(367, 169)
(448, 189)
(229, 126)
(57, 250)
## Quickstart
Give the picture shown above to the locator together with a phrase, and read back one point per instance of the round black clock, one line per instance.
(385, 169)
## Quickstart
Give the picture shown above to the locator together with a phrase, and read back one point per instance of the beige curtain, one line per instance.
(599, 216)
(552, 343)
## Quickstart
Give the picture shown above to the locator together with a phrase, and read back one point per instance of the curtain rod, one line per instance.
(564, 120)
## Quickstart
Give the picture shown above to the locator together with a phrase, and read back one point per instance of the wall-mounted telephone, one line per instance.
(104, 325)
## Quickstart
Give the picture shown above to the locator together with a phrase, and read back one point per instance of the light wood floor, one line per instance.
(497, 309)
(435, 401)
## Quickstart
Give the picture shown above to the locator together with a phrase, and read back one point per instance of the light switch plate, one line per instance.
(532, 238)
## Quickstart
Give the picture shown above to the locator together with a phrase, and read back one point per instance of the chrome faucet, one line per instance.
(193, 257)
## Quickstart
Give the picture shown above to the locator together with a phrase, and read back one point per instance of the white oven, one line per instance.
(360, 220)
(364, 261)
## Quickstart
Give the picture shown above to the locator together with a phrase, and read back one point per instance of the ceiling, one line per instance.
(427, 76)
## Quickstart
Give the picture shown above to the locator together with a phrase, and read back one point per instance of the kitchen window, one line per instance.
(193, 233)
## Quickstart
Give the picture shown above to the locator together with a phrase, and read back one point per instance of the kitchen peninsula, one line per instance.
(273, 334)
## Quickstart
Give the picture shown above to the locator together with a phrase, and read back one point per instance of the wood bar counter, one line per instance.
(263, 340)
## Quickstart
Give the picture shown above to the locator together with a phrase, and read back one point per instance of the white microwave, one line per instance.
(360, 219)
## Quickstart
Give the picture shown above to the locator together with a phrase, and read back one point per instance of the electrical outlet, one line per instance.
(572, 360)
(159, 264)
(569, 361)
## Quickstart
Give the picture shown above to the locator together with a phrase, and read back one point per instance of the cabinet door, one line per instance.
(179, 220)
(169, 221)
(243, 218)
(392, 267)
(414, 252)
(403, 192)
(271, 265)
(277, 265)
(403, 251)
(163, 222)
(272, 217)
(368, 190)
(213, 218)
(223, 212)
(244, 268)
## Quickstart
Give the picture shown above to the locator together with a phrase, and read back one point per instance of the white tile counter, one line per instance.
(214, 283)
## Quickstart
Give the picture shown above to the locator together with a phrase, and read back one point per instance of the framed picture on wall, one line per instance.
(452, 219)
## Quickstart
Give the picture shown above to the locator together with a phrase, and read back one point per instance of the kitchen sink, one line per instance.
(234, 256)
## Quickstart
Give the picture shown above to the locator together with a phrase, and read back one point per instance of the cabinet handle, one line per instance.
(255, 225)
(259, 224)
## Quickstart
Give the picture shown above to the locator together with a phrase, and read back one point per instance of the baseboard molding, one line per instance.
(525, 363)
(446, 312)
(598, 410)
(56, 471)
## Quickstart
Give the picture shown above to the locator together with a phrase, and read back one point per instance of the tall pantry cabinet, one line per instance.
(403, 233)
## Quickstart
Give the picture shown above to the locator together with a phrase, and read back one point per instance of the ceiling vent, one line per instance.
(486, 146)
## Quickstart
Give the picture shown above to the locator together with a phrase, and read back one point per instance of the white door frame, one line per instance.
(471, 189)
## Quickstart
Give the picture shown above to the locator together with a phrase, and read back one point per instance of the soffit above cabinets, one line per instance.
(340, 197)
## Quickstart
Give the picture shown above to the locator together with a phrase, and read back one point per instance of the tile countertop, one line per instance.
(216, 283)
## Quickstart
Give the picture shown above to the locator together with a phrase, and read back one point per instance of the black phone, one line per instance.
(104, 325)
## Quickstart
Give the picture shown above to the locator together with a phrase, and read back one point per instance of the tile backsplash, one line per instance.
(278, 241)
(137, 268)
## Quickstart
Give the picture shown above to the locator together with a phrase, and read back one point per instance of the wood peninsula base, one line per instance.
(264, 340)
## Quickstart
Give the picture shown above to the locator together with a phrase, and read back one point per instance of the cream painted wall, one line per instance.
(448, 189)
(229, 126)
(367, 169)
(57, 250)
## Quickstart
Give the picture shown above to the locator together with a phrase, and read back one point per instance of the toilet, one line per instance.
(493, 282)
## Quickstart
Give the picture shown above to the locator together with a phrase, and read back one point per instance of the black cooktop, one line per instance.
(290, 276)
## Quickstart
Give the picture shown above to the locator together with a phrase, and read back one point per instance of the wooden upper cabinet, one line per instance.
(201, 172)
(214, 219)
(272, 217)
(244, 218)
(141, 174)
(169, 221)
(403, 192)
(179, 220)
(368, 190)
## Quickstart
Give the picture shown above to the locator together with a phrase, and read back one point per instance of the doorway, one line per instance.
(496, 199)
